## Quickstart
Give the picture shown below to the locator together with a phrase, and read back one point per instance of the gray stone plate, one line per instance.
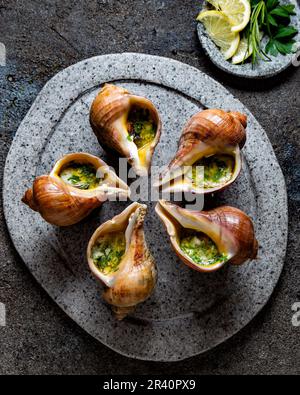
(189, 312)
(261, 69)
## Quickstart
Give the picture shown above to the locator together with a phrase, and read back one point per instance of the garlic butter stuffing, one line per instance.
(82, 176)
(218, 170)
(141, 126)
(200, 248)
(108, 252)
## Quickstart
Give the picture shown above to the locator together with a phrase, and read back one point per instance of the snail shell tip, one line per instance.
(122, 312)
(28, 199)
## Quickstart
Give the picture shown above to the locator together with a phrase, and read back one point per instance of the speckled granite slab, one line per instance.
(262, 69)
(189, 312)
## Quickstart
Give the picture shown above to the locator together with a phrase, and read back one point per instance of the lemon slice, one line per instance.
(243, 52)
(218, 27)
(238, 11)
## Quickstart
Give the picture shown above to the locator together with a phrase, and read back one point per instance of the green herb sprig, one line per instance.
(269, 17)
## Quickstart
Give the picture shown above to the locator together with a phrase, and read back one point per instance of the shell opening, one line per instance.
(142, 128)
(90, 175)
(200, 248)
(205, 172)
(108, 251)
(141, 125)
(82, 175)
(199, 241)
(110, 243)
(213, 171)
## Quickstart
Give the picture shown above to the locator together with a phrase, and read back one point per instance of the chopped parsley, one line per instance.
(81, 176)
(141, 127)
(108, 252)
(218, 170)
(200, 248)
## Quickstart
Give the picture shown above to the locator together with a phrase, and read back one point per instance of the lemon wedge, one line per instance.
(238, 11)
(219, 28)
(243, 52)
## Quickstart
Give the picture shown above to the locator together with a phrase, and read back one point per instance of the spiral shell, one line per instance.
(229, 228)
(108, 117)
(135, 279)
(62, 204)
(206, 134)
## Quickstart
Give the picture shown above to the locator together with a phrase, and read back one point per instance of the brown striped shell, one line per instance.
(230, 228)
(61, 204)
(135, 279)
(207, 133)
(108, 118)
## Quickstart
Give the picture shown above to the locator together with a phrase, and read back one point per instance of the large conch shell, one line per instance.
(62, 204)
(108, 118)
(207, 133)
(229, 228)
(135, 279)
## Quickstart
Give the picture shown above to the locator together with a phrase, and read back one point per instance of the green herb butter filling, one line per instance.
(200, 248)
(108, 252)
(82, 176)
(218, 170)
(141, 127)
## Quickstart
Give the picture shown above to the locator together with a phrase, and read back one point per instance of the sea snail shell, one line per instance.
(134, 279)
(229, 228)
(208, 133)
(109, 116)
(62, 204)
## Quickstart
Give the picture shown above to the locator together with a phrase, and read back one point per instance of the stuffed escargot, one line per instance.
(118, 257)
(209, 153)
(128, 124)
(78, 184)
(207, 240)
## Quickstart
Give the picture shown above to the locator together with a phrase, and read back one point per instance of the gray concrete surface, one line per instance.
(42, 38)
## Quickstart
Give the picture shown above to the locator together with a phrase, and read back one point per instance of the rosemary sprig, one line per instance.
(254, 34)
(269, 17)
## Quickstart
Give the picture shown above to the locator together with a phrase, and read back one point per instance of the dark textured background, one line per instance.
(44, 37)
